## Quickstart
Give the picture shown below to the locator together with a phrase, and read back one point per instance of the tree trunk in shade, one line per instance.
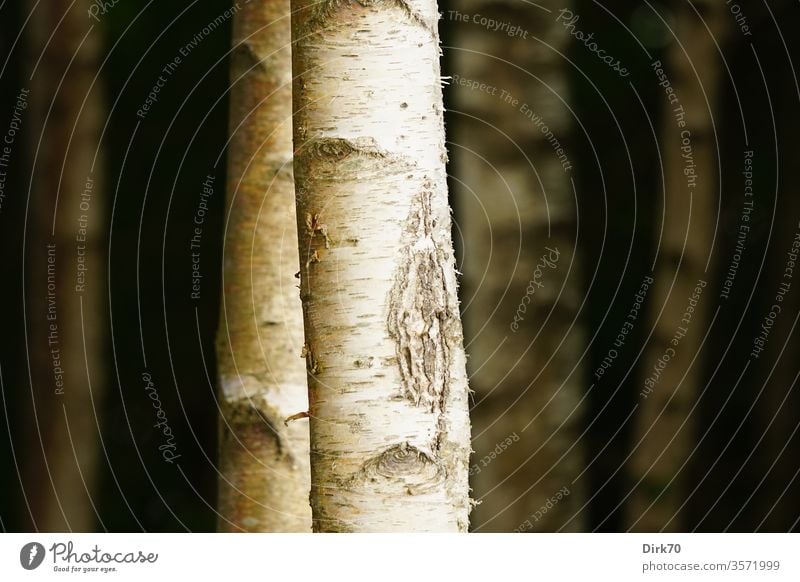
(264, 463)
(682, 301)
(522, 290)
(65, 266)
(384, 353)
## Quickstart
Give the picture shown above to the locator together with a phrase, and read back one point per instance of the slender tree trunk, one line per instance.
(265, 473)
(384, 354)
(521, 290)
(65, 271)
(682, 301)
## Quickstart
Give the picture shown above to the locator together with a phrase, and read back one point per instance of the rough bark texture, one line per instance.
(65, 306)
(514, 200)
(665, 431)
(265, 473)
(384, 354)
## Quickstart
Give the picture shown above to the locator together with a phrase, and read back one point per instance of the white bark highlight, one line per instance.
(385, 360)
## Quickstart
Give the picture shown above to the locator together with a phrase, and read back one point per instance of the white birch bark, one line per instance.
(384, 354)
(265, 472)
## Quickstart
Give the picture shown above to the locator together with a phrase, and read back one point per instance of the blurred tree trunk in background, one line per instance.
(773, 502)
(384, 344)
(522, 288)
(750, 468)
(264, 462)
(65, 270)
(682, 299)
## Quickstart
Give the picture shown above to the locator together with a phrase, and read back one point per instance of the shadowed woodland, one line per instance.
(623, 182)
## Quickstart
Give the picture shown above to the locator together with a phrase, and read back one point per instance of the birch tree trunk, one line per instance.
(681, 301)
(65, 270)
(516, 207)
(384, 353)
(265, 473)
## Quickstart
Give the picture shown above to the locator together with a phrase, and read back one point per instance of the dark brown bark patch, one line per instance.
(420, 314)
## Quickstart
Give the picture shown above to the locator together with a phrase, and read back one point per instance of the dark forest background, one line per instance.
(744, 470)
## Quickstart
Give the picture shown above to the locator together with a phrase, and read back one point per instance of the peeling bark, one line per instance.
(420, 318)
(384, 353)
(264, 465)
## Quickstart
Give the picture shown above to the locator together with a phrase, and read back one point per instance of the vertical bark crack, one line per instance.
(420, 314)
